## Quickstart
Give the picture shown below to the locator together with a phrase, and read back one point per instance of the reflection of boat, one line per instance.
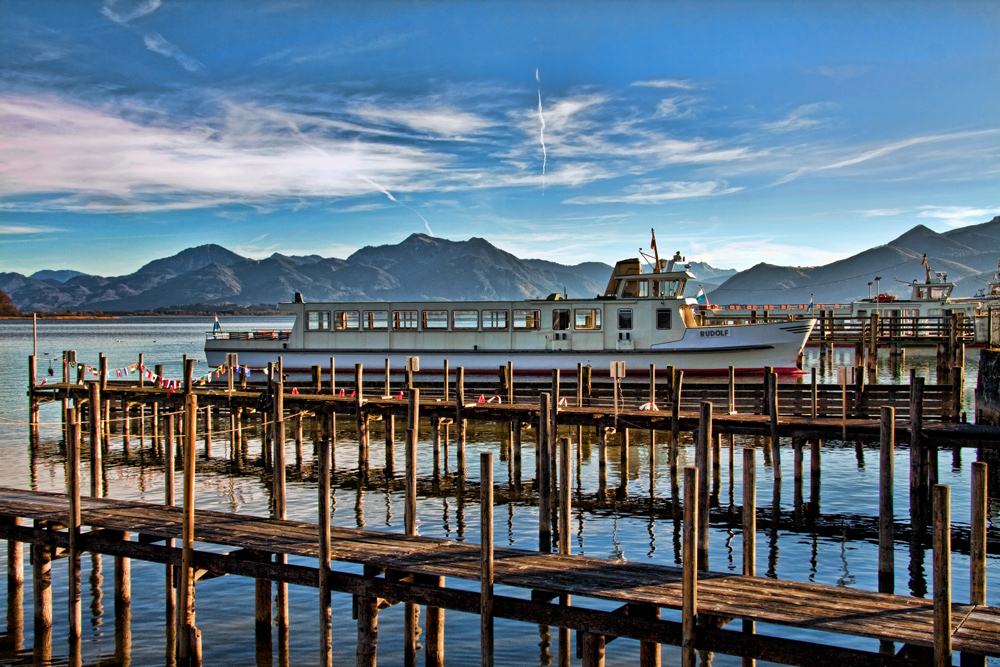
(643, 318)
(931, 298)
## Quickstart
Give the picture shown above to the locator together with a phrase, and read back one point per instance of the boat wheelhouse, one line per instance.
(642, 318)
(931, 298)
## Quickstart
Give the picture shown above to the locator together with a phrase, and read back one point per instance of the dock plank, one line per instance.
(804, 605)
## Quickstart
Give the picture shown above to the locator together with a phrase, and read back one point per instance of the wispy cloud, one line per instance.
(28, 229)
(124, 12)
(959, 216)
(438, 118)
(657, 193)
(884, 150)
(881, 212)
(76, 157)
(799, 119)
(682, 84)
(156, 43)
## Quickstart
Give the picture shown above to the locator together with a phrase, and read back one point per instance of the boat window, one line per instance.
(588, 318)
(317, 320)
(404, 319)
(346, 319)
(376, 319)
(936, 293)
(526, 319)
(494, 319)
(624, 318)
(435, 319)
(465, 319)
(636, 289)
(662, 318)
(665, 288)
(560, 319)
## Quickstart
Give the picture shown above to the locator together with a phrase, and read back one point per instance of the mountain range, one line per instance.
(968, 255)
(427, 268)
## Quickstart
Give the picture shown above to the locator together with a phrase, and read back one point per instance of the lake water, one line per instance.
(225, 614)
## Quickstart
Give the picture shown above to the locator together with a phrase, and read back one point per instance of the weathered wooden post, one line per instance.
(675, 421)
(602, 458)
(367, 625)
(411, 610)
(323, 519)
(280, 501)
(168, 499)
(96, 467)
(189, 649)
(731, 402)
(942, 575)
(486, 559)
(41, 571)
(689, 585)
(977, 537)
(749, 530)
(813, 395)
(460, 422)
(702, 455)
(73, 491)
(772, 413)
(918, 468)
(544, 468)
(362, 419)
(565, 486)
(886, 536)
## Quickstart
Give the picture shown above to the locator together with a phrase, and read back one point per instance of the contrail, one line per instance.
(541, 131)
(391, 198)
(367, 180)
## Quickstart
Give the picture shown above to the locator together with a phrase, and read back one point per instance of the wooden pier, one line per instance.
(686, 606)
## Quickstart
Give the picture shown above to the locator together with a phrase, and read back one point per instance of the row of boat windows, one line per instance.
(581, 319)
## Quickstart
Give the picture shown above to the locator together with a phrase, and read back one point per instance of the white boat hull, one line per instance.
(702, 349)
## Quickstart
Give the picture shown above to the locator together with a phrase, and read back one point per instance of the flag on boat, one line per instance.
(702, 298)
(810, 306)
(217, 326)
(652, 244)
(923, 261)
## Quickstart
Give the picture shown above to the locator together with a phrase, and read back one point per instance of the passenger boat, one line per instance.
(643, 318)
(930, 298)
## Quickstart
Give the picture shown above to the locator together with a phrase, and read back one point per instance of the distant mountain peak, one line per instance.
(192, 259)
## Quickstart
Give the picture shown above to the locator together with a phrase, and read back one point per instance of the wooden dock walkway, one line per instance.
(634, 586)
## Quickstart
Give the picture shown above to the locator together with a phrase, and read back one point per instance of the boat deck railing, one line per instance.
(255, 334)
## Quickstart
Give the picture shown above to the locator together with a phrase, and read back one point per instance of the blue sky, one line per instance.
(791, 133)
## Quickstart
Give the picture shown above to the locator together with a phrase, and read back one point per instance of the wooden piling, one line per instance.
(460, 421)
(675, 414)
(280, 502)
(977, 536)
(367, 604)
(886, 537)
(702, 455)
(73, 492)
(186, 630)
(486, 559)
(942, 574)
(565, 487)
(749, 530)
(689, 585)
(323, 520)
(918, 469)
(41, 571)
(772, 414)
(544, 469)
(362, 418)
(96, 466)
